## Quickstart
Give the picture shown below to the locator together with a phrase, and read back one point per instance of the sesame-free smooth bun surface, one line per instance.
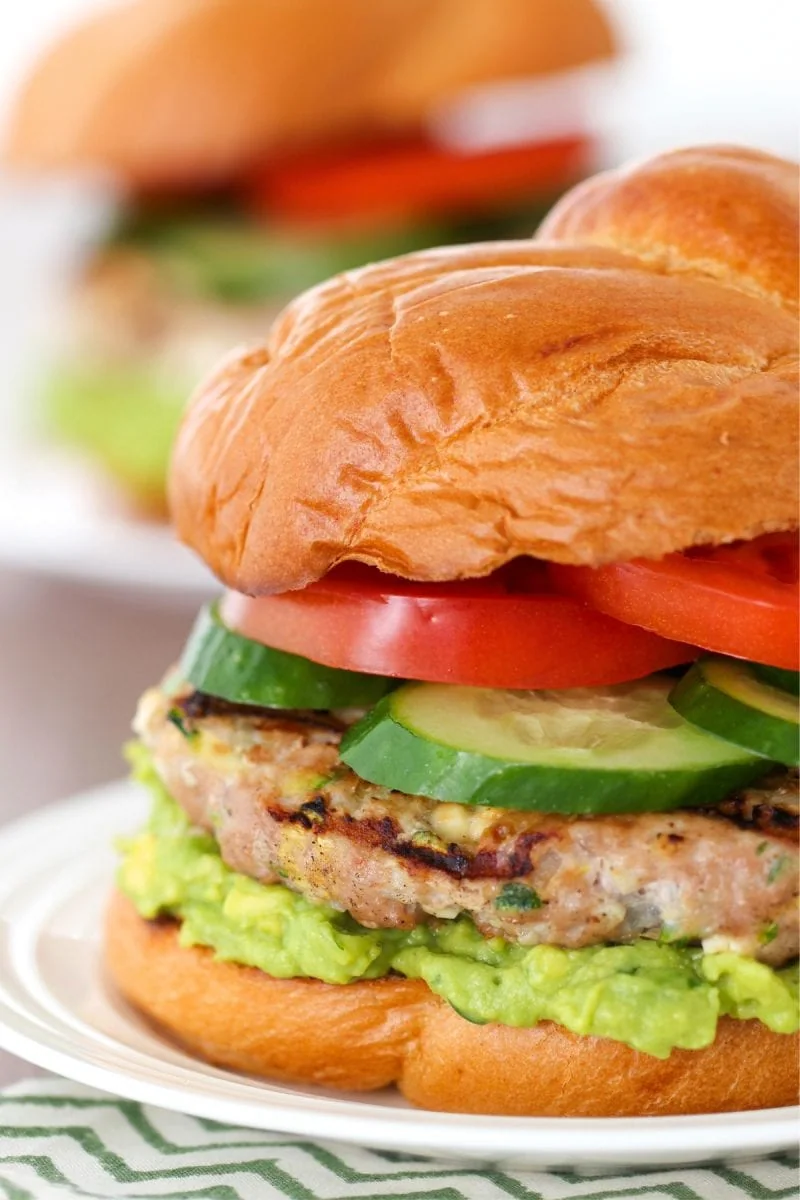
(440, 414)
(180, 91)
(364, 1036)
(721, 211)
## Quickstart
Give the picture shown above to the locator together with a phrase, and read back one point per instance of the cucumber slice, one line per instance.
(222, 663)
(779, 677)
(613, 749)
(728, 699)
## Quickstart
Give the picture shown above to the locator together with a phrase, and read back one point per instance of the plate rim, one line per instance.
(96, 540)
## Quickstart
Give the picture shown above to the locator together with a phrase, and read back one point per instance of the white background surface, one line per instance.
(73, 659)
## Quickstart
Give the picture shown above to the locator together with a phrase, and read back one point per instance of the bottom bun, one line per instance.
(368, 1035)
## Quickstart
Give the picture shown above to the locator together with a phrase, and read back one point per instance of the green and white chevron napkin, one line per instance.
(60, 1141)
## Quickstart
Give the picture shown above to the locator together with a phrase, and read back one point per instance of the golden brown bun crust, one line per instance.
(369, 1035)
(194, 90)
(720, 211)
(439, 414)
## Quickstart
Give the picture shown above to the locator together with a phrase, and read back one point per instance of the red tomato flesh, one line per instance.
(508, 630)
(411, 177)
(740, 600)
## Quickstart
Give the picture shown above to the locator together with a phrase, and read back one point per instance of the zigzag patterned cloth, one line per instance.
(60, 1141)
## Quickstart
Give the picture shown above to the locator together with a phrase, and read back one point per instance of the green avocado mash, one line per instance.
(651, 996)
(124, 416)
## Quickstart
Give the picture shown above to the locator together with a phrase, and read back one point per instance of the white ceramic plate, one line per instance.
(56, 518)
(57, 1011)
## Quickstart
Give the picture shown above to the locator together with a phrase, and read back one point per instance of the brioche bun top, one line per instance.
(169, 93)
(439, 414)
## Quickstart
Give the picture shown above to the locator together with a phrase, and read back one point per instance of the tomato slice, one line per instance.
(396, 180)
(509, 630)
(740, 599)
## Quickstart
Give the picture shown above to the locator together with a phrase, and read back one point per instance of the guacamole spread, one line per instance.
(124, 415)
(650, 995)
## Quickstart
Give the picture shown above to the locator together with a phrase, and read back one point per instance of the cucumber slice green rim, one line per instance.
(615, 749)
(222, 663)
(733, 701)
(779, 677)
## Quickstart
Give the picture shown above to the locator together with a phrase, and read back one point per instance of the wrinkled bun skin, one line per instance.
(170, 92)
(439, 414)
(369, 1035)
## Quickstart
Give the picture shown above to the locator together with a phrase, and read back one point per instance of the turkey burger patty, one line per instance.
(283, 807)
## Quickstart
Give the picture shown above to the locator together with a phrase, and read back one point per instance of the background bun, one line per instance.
(439, 414)
(368, 1035)
(172, 91)
(165, 92)
(456, 43)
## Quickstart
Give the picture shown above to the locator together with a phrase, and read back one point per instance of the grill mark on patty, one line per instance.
(453, 861)
(385, 834)
(761, 816)
(200, 705)
(770, 806)
(512, 864)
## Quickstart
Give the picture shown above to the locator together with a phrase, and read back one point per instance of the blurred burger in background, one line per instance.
(263, 145)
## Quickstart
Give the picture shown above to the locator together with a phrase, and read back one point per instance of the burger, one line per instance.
(481, 775)
(260, 146)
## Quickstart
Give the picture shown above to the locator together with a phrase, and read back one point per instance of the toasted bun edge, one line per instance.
(368, 1035)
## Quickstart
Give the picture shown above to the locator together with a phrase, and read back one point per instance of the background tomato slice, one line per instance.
(740, 599)
(411, 178)
(509, 630)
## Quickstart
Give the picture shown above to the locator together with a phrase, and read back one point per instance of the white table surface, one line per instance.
(72, 663)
